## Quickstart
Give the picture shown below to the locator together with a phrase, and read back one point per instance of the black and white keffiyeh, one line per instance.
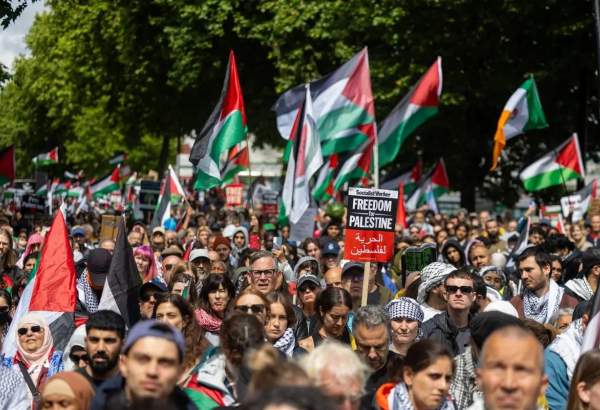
(581, 287)
(90, 299)
(431, 276)
(286, 342)
(400, 400)
(405, 308)
(543, 310)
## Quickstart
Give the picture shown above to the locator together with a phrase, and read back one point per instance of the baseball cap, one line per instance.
(198, 253)
(158, 229)
(77, 230)
(155, 328)
(154, 284)
(308, 279)
(172, 250)
(330, 248)
(353, 266)
(98, 265)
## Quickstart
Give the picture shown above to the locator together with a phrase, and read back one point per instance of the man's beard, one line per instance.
(103, 367)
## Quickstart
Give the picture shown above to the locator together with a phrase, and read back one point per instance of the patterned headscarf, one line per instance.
(431, 276)
(405, 308)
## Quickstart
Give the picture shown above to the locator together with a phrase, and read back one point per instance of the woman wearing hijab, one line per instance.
(67, 390)
(406, 319)
(145, 262)
(35, 357)
(34, 244)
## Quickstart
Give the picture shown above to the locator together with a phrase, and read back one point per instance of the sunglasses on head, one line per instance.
(34, 329)
(251, 309)
(463, 289)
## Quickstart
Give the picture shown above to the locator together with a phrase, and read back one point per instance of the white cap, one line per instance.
(198, 253)
(502, 306)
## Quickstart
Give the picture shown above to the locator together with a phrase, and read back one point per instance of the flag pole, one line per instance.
(249, 172)
(375, 160)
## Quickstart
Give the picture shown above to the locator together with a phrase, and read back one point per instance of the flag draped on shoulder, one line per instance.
(562, 164)
(7, 165)
(52, 292)
(123, 282)
(225, 128)
(106, 185)
(522, 112)
(343, 106)
(304, 161)
(420, 104)
(47, 158)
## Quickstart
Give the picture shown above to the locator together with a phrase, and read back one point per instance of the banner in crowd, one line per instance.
(234, 194)
(371, 220)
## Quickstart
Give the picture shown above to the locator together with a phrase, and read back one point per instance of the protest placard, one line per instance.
(371, 220)
(234, 194)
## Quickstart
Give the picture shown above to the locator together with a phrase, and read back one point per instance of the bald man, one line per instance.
(333, 277)
(511, 370)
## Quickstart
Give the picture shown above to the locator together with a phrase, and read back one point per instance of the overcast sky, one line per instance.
(12, 40)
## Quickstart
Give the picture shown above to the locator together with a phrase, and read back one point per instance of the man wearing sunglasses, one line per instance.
(148, 293)
(105, 331)
(451, 328)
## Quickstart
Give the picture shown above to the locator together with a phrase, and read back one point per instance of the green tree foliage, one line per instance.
(106, 76)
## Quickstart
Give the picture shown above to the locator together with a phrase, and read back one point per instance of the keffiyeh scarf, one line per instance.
(400, 400)
(568, 345)
(286, 342)
(90, 299)
(207, 321)
(581, 287)
(431, 276)
(543, 310)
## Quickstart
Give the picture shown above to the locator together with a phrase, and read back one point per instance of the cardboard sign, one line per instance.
(270, 203)
(108, 227)
(573, 205)
(370, 225)
(234, 194)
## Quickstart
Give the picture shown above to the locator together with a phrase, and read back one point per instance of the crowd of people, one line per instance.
(234, 313)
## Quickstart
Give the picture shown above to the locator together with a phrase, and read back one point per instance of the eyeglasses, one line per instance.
(34, 329)
(268, 273)
(463, 289)
(251, 309)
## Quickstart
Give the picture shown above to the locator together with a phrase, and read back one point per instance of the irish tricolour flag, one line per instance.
(225, 128)
(106, 185)
(522, 112)
(343, 106)
(556, 167)
(47, 158)
(420, 104)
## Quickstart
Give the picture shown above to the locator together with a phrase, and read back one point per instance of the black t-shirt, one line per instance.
(94, 382)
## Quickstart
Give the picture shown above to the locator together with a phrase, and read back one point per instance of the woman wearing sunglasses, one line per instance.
(36, 358)
(176, 311)
(215, 298)
(423, 380)
(308, 288)
(253, 303)
(333, 308)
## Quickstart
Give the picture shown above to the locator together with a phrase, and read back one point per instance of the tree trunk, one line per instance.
(164, 155)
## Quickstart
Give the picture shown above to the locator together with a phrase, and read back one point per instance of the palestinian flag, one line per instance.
(238, 160)
(123, 282)
(175, 187)
(304, 161)
(587, 193)
(401, 211)
(163, 208)
(420, 104)
(225, 128)
(522, 112)
(51, 293)
(357, 165)
(521, 245)
(118, 159)
(7, 165)
(323, 189)
(409, 178)
(47, 158)
(343, 106)
(106, 185)
(562, 164)
(435, 182)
